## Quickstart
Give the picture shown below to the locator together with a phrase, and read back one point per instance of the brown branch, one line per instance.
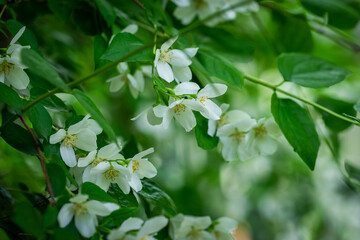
(41, 158)
(138, 3)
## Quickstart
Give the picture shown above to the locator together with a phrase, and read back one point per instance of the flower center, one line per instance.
(179, 108)
(80, 209)
(125, 79)
(6, 67)
(144, 237)
(260, 131)
(223, 120)
(165, 56)
(111, 174)
(195, 234)
(200, 3)
(203, 99)
(238, 136)
(135, 165)
(70, 140)
(96, 162)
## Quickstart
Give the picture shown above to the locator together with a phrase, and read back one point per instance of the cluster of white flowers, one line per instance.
(188, 10)
(201, 228)
(103, 166)
(243, 137)
(11, 69)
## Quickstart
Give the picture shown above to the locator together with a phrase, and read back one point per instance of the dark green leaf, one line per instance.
(57, 178)
(28, 219)
(297, 127)
(221, 68)
(10, 97)
(41, 120)
(339, 106)
(107, 11)
(96, 193)
(27, 39)
(100, 46)
(39, 66)
(50, 217)
(308, 71)
(52, 102)
(339, 13)
(292, 32)
(202, 137)
(119, 216)
(68, 233)
(157, 197)
(6, 202)
(353, 171)
(123, 44)
(95, 113)
(19, 138)
(124, 200)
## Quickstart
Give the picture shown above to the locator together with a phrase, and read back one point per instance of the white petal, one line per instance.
(186, 88)
(116, 83)
(115, 234)
(131, 224)
(85, 161)
(229, 149)
(2, 77)
(225, 224)
(85, 223)
(153, 225)
(182, 74)
(186, 119)
(146, 169)
(226, 130)
(111, 206)
(86, 140)
(157, 56)
(182, 3)
(100, 168)
(80, 198)
(213, 111)
(65, 215)
(211, 128)
(179, 58)
(122, 67)
(123, 184)
(58, 136)
(185, 14)
(193, 104)
(133, 81)
(160, 110)
(68, 155)
(135, 183)
(167, 119)
(97, 208)
(102, 182)
(201, 222)
(165, 72)
(132, 28)
(166, 45)
(77, 127)
(94, 126)
(18, 78)
(108, 151)
(213, 90)
(142, 154)
(245, 124)
(191, 52)
(267, 145)
(18, 35)
(152, 118)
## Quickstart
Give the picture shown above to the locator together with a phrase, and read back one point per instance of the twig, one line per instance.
(3, 10)
(41, 158)
(138, 3)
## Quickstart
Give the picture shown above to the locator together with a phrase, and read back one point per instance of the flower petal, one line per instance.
(186, 88)
(68, 155)
(132, 28)
(85, 223)
(229, 148)
(116, 83)
(211, 128)
(123, 184)
(160, 110)
(18, 35)
(146, 169)
(58, 136)
(111, 206)
(100, 168)
(94, 126)
(165, 72)
(77, 127)
(225, 224)
(213, 90)
(182, 74)
(108, 151)
(97, 208)
(86, 140)
(153, 225)
(66, 214)
(179, 58)
(186, 119)
(85, 161)
(166, 45)
(191, 52)
(102, 182)
(213, 111)
(130, 224)
(135, 183)
(18, 78)
(142, 154)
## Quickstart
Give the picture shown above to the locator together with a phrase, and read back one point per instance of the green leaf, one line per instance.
(157, 197)
(339, 13)
(221, 68)
(100, 45)
(202, 137)
(308, 71)
(10, 97)
(68, 233)
(19, 138)
(292, 32)
(50, 217)
(52, 102)
(95, 113)
(57, 178)
(41, 120)
(28, 218)
(119, 216)
(124, 200)
(96, 193)
(39, 66)
(6, 202)
(297, 127)
(339, 106)
(123, 44)
(107, 11)
(27, 38)
(353, 171)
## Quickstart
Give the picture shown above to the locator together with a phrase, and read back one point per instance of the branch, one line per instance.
(41, 158)
(138, 3)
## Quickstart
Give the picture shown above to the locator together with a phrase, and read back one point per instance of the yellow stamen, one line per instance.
(203, 99)
(165, 56)
(135, 165)
(260, 131)
(70, 140)
(179, 108)
(6, 67)
(96, 162)
(80, 209)
(238, 136)
(223, 120)
(111, 174)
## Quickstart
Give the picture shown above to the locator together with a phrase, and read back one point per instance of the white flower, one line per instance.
(179, 60)
(233, 136)
(208, 108)
(139, 168)
(262, 137)
(11, 69)
(85, 213)
(147, 229)
(190, 228)
(213, 124)
(107, 172)
(224, 228)
(81, 135)
(108, 152)
(136, 82)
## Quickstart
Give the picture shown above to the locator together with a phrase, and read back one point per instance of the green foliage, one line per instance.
(124, 200)
(39, 66)
(57, 178)
(308, 71)
(27, 39)
(6, 202)
(107, 11)
(11, 98)
(202, 137)
(96, 193)
(119, 216)
(31, 225)
(41, 120)
(298, 128)
(50, 217)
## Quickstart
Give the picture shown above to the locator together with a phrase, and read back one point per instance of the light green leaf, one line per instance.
(107, 11)
(41, 120)
(42, 68)
(95, 113)
(123, 44)
(308, 71)
(297, 127)
(96, 193)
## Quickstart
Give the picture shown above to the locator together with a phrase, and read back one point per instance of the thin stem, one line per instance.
(3, 10)
(318, 106)
(138, 3)
(42, 162)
